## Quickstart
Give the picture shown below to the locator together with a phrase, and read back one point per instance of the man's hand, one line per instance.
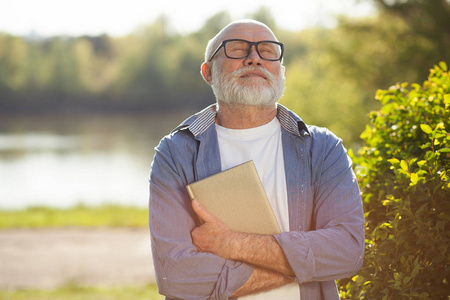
(271, 266)
(213, 235)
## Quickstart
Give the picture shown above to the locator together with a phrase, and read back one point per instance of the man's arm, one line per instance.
(215, 237)
(262, 280)
(330, 245)
(181, 271)
(272, 268)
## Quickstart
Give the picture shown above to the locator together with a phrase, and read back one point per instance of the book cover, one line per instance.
(237, 197)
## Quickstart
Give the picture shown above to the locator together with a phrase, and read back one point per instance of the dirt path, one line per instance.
(47, 258)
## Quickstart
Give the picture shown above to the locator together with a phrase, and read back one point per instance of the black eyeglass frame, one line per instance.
(249, 49)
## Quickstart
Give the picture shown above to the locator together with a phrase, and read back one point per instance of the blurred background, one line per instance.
(88, 88)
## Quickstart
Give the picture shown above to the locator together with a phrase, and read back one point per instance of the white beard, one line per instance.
(227, 89)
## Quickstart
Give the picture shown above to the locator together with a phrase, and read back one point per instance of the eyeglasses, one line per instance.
(238, 49)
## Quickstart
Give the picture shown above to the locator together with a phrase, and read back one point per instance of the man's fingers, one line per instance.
(200, 210)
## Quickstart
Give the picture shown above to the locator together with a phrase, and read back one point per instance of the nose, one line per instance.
(253, 57)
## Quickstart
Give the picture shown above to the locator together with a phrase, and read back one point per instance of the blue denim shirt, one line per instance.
(326, 220)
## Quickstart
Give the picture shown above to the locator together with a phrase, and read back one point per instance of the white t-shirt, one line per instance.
(262, 145)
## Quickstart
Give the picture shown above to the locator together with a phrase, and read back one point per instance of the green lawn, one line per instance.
(78, 216)
(148, 292)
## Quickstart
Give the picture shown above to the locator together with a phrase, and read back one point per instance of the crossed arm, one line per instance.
(271, 268)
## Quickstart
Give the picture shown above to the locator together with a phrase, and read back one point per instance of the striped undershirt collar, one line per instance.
(207, 117)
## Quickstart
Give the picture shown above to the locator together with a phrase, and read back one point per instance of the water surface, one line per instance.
(62, 161)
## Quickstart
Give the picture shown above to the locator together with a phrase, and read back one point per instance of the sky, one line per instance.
(119, 18)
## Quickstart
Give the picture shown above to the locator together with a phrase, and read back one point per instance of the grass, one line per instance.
(77, 216)
(71, 292)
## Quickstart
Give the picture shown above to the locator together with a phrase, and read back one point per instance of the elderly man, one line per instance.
(305, 172)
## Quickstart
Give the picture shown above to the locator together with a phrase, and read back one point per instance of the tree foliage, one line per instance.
(404, 172)
(429, 19)
(332, 74)
(314, 89)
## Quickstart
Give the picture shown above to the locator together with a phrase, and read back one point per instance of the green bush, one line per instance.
(403, 170)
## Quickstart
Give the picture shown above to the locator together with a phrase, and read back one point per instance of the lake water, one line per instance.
(62, 161)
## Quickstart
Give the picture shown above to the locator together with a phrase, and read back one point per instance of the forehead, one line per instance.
(250, 32)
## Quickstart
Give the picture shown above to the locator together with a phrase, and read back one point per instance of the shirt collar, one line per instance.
(288, 120)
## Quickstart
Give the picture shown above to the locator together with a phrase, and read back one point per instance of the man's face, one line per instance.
(251, 80)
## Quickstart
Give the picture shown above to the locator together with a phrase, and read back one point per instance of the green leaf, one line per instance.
(416, 86)
(393, 161)
(424, 146)
(447, 99)
(444, 150)
(421, 163)
(440, 125)
(426, 128)
(358, 279)
(404, 165)
(443, 65)
(414, 178)
(416, 270)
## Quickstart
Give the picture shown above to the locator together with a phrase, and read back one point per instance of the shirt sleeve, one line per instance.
(334, 247)
(181, 271)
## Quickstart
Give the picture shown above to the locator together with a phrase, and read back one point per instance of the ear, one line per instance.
(206, 71)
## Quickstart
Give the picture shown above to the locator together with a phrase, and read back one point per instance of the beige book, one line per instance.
(237, 197)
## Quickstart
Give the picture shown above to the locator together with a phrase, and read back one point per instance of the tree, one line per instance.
(13, 62)
(429, 19)
(316, 91)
